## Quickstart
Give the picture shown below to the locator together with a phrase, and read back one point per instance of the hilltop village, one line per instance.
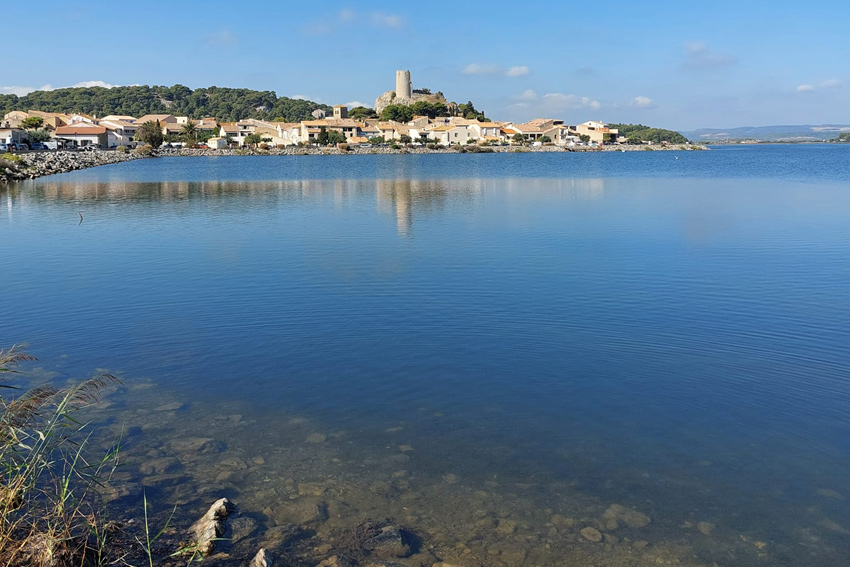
(55, 130)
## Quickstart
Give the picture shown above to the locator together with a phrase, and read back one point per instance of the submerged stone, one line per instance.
(591, 534)
(262, 559)
(616, 515)
(317, 438)
(705, 528)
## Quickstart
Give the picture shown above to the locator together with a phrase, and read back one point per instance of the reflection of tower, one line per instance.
(403, 86)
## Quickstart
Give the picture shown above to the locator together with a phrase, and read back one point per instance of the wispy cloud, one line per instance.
(827, 84)
(492, 69)
(517, 71)
(481, 69)
(356, 103)
(698, 56)
(553, 102)
(642, 102)
(23, 91)
(350, 17)
(221, 38)
(17, 90)
(562, 101)
(384, 20)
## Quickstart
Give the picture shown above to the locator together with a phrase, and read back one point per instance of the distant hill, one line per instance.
(801, 133)
(223, 103)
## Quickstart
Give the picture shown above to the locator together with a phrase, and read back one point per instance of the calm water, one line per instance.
(668, 331)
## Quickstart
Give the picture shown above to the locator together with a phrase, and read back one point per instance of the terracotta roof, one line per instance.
(78, 130)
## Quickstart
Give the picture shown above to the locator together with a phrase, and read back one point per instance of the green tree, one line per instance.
(32, 122)
(423, 138)
(546, 139)
(405, 139)
(323, 137)
(519, 139)
(336, 137)
(584, 138)
(362, 113)
(376, 140)
(607, 137)
(150, 133)
(39, 135)
(397, 113)
(253, 139)
(189, 131)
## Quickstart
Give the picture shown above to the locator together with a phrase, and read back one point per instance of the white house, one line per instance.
(84, 135)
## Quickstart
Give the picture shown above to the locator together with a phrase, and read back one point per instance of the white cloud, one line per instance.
(481, 69)
(22, 91)
(492, 69)
(356, 103)
(699, 56)
(346, 15)
(827, 84)
(642, 102)
(299, 97)
(528, 94)
(103, 84)
(16, 90)
(221, 38)
(383, 20)
(564, 101)
(517, 71)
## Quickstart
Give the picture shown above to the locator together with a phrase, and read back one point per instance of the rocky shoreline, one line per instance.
(38, 164)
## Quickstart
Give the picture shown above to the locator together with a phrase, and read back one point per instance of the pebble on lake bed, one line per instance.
(591, 534)
(317, 438)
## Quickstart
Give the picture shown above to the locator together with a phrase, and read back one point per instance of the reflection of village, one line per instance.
(404, 199)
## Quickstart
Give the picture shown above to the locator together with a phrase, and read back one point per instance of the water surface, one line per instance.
(666, 331)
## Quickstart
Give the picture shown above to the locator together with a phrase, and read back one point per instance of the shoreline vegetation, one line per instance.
(31, 165)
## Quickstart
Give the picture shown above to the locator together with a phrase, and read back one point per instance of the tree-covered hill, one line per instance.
(639, 132)
(226, 104)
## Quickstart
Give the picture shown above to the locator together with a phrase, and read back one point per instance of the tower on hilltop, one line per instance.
(403, 86)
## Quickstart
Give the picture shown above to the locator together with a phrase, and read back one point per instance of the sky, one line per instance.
(681, 65)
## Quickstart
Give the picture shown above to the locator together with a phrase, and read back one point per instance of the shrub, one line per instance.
(431, 146)
(122, 149)
(343, 147)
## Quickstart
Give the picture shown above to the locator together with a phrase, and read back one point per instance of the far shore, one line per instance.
(31, 165)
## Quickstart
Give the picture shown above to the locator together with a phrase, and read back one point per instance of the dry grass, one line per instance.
(47, 482)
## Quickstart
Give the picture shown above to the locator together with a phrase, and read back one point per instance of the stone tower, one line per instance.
(403, 86)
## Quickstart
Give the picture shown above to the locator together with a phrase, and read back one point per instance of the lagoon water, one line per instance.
(490, 349)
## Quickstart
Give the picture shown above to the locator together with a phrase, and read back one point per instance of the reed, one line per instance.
(48, 481)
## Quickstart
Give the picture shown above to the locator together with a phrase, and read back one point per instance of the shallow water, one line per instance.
(544, 336)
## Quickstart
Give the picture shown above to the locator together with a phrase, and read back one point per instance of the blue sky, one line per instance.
(679, 65)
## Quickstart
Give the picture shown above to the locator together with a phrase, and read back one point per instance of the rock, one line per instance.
(162, 465)
(302, 511)
(211, 525)
(405, 448)
(196, 445)
(317, 438)
(616, 515)
(829, 493)
(591, 534)
(242, 528)
(506, 528)
(174, 406)
(336, 561)
(389, 543)
(262, 559)
(705, 528)
(450, 478)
